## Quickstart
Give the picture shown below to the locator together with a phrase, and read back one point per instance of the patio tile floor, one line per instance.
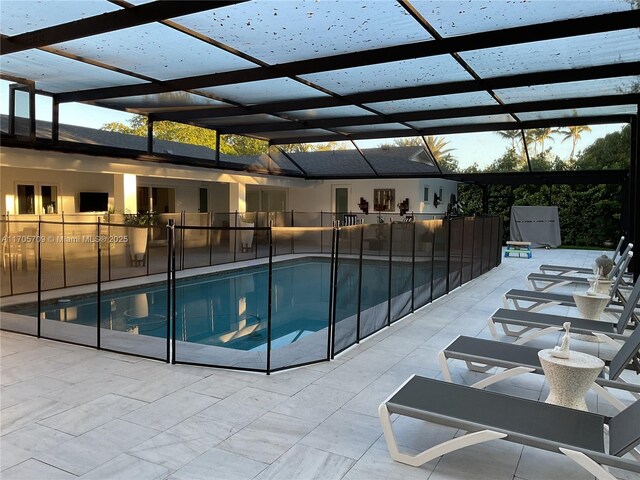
(74, 412)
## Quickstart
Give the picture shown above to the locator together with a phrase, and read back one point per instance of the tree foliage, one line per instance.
(589, 214)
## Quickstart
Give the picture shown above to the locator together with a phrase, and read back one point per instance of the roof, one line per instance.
(387, 161)
(301, 71)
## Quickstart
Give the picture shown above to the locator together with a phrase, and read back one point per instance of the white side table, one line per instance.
(591, 306)
(569, 378)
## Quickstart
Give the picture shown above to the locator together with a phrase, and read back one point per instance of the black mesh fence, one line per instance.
(347, 287)
(467, 249)
(478, 237)
(440, 259)
(374, 305)
(402, 274)
(423, 265)
(456, 239)
(263, 316)
(300, 312)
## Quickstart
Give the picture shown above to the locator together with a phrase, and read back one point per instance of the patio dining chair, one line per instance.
(489, 416)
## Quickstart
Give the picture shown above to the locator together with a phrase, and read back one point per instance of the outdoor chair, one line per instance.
(546, 323)
(489, 415)
(542, 282)
(544, 268)
(481, 355)
(538, 300)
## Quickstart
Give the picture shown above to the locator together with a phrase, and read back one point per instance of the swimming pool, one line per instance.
(222, 319)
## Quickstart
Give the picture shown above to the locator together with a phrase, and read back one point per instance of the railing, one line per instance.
(338, 286)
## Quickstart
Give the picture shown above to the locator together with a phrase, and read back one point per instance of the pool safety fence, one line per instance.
(366, 277)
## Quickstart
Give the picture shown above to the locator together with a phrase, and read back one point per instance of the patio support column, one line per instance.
(237, 197)
(125, 198)
(149, 136)
(634, 193)
(55, 120)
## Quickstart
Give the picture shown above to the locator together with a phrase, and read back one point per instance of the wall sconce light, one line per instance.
(436, 200)
(364, 206)
(403, 206)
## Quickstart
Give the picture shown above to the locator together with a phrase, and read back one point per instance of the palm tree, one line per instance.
(574, 133)
(542, 134)
(437, 147)
(513, 135)
(516, 140)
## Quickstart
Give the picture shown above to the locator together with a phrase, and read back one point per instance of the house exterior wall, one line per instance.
(320, 196)
(74, 173)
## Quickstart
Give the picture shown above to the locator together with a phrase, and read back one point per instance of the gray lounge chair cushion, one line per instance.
(499, 354)
(557, 278)
(532, 295)
(525, 421)
(624, 430)
(543, 320)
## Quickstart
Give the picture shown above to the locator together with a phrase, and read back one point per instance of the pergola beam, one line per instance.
(106, 22)
(422, 91)
(546, 105)
(569, 177)
(497, 38)
(469, 128)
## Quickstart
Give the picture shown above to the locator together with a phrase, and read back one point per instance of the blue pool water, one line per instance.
(231, 309)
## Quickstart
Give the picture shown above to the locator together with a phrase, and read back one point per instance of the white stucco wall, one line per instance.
(320, 196)
(73, 173)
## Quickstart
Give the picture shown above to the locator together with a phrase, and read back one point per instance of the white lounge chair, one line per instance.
(489, 416)
(543, 282)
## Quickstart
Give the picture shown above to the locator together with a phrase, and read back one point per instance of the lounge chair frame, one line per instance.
(542, 282)
(592, 457)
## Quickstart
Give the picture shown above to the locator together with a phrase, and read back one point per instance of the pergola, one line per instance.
(321, 71)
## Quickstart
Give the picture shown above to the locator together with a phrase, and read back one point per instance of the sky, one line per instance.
(482, 147)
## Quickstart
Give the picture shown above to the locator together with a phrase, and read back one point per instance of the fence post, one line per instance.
(321, 234)
(448, 220)
(269, 301)
(64, 256)
(413, 266)
(330, 319)
(335, 291)
(210, 232)
(99, 289)
(362, 227)
(169, 276)
(183, 220)
(9, 242)
(235, 235)
(39, 328)
(433, 256)
(390, 263)
(173, 300)
(293, 245)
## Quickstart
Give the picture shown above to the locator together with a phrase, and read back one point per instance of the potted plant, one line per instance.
(247, 220)
(138, 230)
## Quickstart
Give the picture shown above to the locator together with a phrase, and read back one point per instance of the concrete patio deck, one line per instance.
(72, 412)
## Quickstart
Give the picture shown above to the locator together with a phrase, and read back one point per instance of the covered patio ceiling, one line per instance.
(319, 71)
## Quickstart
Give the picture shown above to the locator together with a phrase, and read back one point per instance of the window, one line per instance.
(49, 198)
(425, 195)
(26, 199)
(204, 200)
(384, 199)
